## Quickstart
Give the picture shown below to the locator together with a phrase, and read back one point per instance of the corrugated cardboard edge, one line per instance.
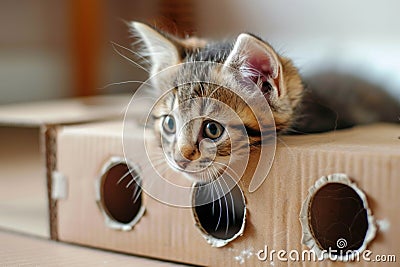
(307, 236)
(49, 134)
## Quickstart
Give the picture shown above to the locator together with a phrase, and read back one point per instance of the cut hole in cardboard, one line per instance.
(337, 213)
(219, 220)
(120, 194)
(337, 218)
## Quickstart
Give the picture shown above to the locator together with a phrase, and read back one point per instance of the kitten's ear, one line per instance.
(257, 61)
(163, 50)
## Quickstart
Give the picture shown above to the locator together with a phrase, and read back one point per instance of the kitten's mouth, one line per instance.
(201, 170)
(208, 174)
(191, 166)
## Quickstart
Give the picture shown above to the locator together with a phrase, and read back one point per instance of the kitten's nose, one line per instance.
(189, 153)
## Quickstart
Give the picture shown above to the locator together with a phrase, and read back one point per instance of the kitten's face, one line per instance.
(204, 126)
(196, 126)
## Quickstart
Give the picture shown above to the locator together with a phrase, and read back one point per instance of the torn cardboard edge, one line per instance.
(110, 204)
(310, 239)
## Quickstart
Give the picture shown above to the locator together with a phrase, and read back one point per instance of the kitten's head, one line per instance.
(201, 121)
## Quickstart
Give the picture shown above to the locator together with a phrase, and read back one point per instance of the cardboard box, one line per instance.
(360, 169)
(27, 155)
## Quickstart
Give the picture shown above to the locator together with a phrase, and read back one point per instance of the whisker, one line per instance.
(134, 177)
(133, 52)
(211, 191)
(233, 203)
(120, 83)
(124, 176)
(131, 181)
(161, 173)
(129, 60)
(229, 168)
(137, 191)
(220, 208)
(226, 207)
(139, 188)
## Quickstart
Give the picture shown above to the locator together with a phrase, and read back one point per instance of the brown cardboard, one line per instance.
(28, 142)
(369, 155)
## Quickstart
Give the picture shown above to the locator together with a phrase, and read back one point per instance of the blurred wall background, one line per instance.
(358, 37)
(40, 58)
(33, 60)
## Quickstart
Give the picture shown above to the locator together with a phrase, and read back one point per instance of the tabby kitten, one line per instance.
(195, 137)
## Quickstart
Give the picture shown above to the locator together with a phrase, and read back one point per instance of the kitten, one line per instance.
(275, 76)
(336, 100)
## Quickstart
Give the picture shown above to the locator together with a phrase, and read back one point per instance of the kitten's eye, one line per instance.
(213, 130)
(169, 124)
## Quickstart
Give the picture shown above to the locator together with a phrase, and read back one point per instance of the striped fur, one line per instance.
(195, 101)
